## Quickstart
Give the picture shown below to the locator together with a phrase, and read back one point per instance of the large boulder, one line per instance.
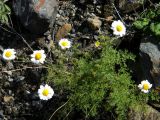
(36, 15)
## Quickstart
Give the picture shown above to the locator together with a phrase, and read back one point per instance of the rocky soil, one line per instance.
(82, 20)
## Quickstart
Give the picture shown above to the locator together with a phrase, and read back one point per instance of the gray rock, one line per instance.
(152, 50)
(82, 1)
(129, 5)
(9, 73)
(8, 110)
(108, 10)
(1, 115)
(7, 99)
(15, 111)
(149, 113)
(36, 15)
(10, 65)
(1, 48)
(6, 84)
(10, 92)
(20, 78)
(37, 104)
(10, 79)
(94, 23)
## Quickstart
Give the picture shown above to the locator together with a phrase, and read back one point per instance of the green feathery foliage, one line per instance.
(91, 83)
(4, 11)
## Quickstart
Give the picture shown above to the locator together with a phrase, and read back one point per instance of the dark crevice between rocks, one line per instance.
(132, 44)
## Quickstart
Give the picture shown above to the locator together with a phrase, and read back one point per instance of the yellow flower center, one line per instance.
(119, 28)
(38, 56)
(8, 54)
(64, 43)
(97, 43)
(45, 92)
(145, 86)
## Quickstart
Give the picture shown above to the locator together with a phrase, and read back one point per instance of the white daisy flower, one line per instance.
(64, 43)
(45, 92)
(145, 86)
(118, 28)
(38, 56)
(9, 54)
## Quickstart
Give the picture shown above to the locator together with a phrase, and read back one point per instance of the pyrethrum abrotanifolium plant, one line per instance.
(91, 83)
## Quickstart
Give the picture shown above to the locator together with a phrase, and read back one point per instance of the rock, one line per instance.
(89, 9)
(152, 50)
(1, 115)
(37, 104)
(8, 72)
(109, 19)
(36, 15)
(34, 76)
(48, 45)
(148, 114)
(8, 110)
(20, 78)
(83, 2)
(34, 96)
(6, 84)
(10, 93)
(63, 31)
(129, 5)
(15, 110)
(8, 99)
(10, 65)
(108, 10)
(10, 79)
(1, 48)
(98, 10)
(94, 23)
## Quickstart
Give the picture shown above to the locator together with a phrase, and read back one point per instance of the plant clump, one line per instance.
(91, 83)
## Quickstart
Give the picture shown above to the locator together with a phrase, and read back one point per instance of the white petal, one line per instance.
(150, 85)
(34, 52)
(144, 82)
(46, 85)
(32, 59)
(4, 57)
(40, 91)
(13, 57)
(145, 91)
(41, 87)
(114, 24)
(63, 47)
(32, 55)
(35, 61)
(43, 56)
(116, 33)
(140, 86)
(41, 60)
